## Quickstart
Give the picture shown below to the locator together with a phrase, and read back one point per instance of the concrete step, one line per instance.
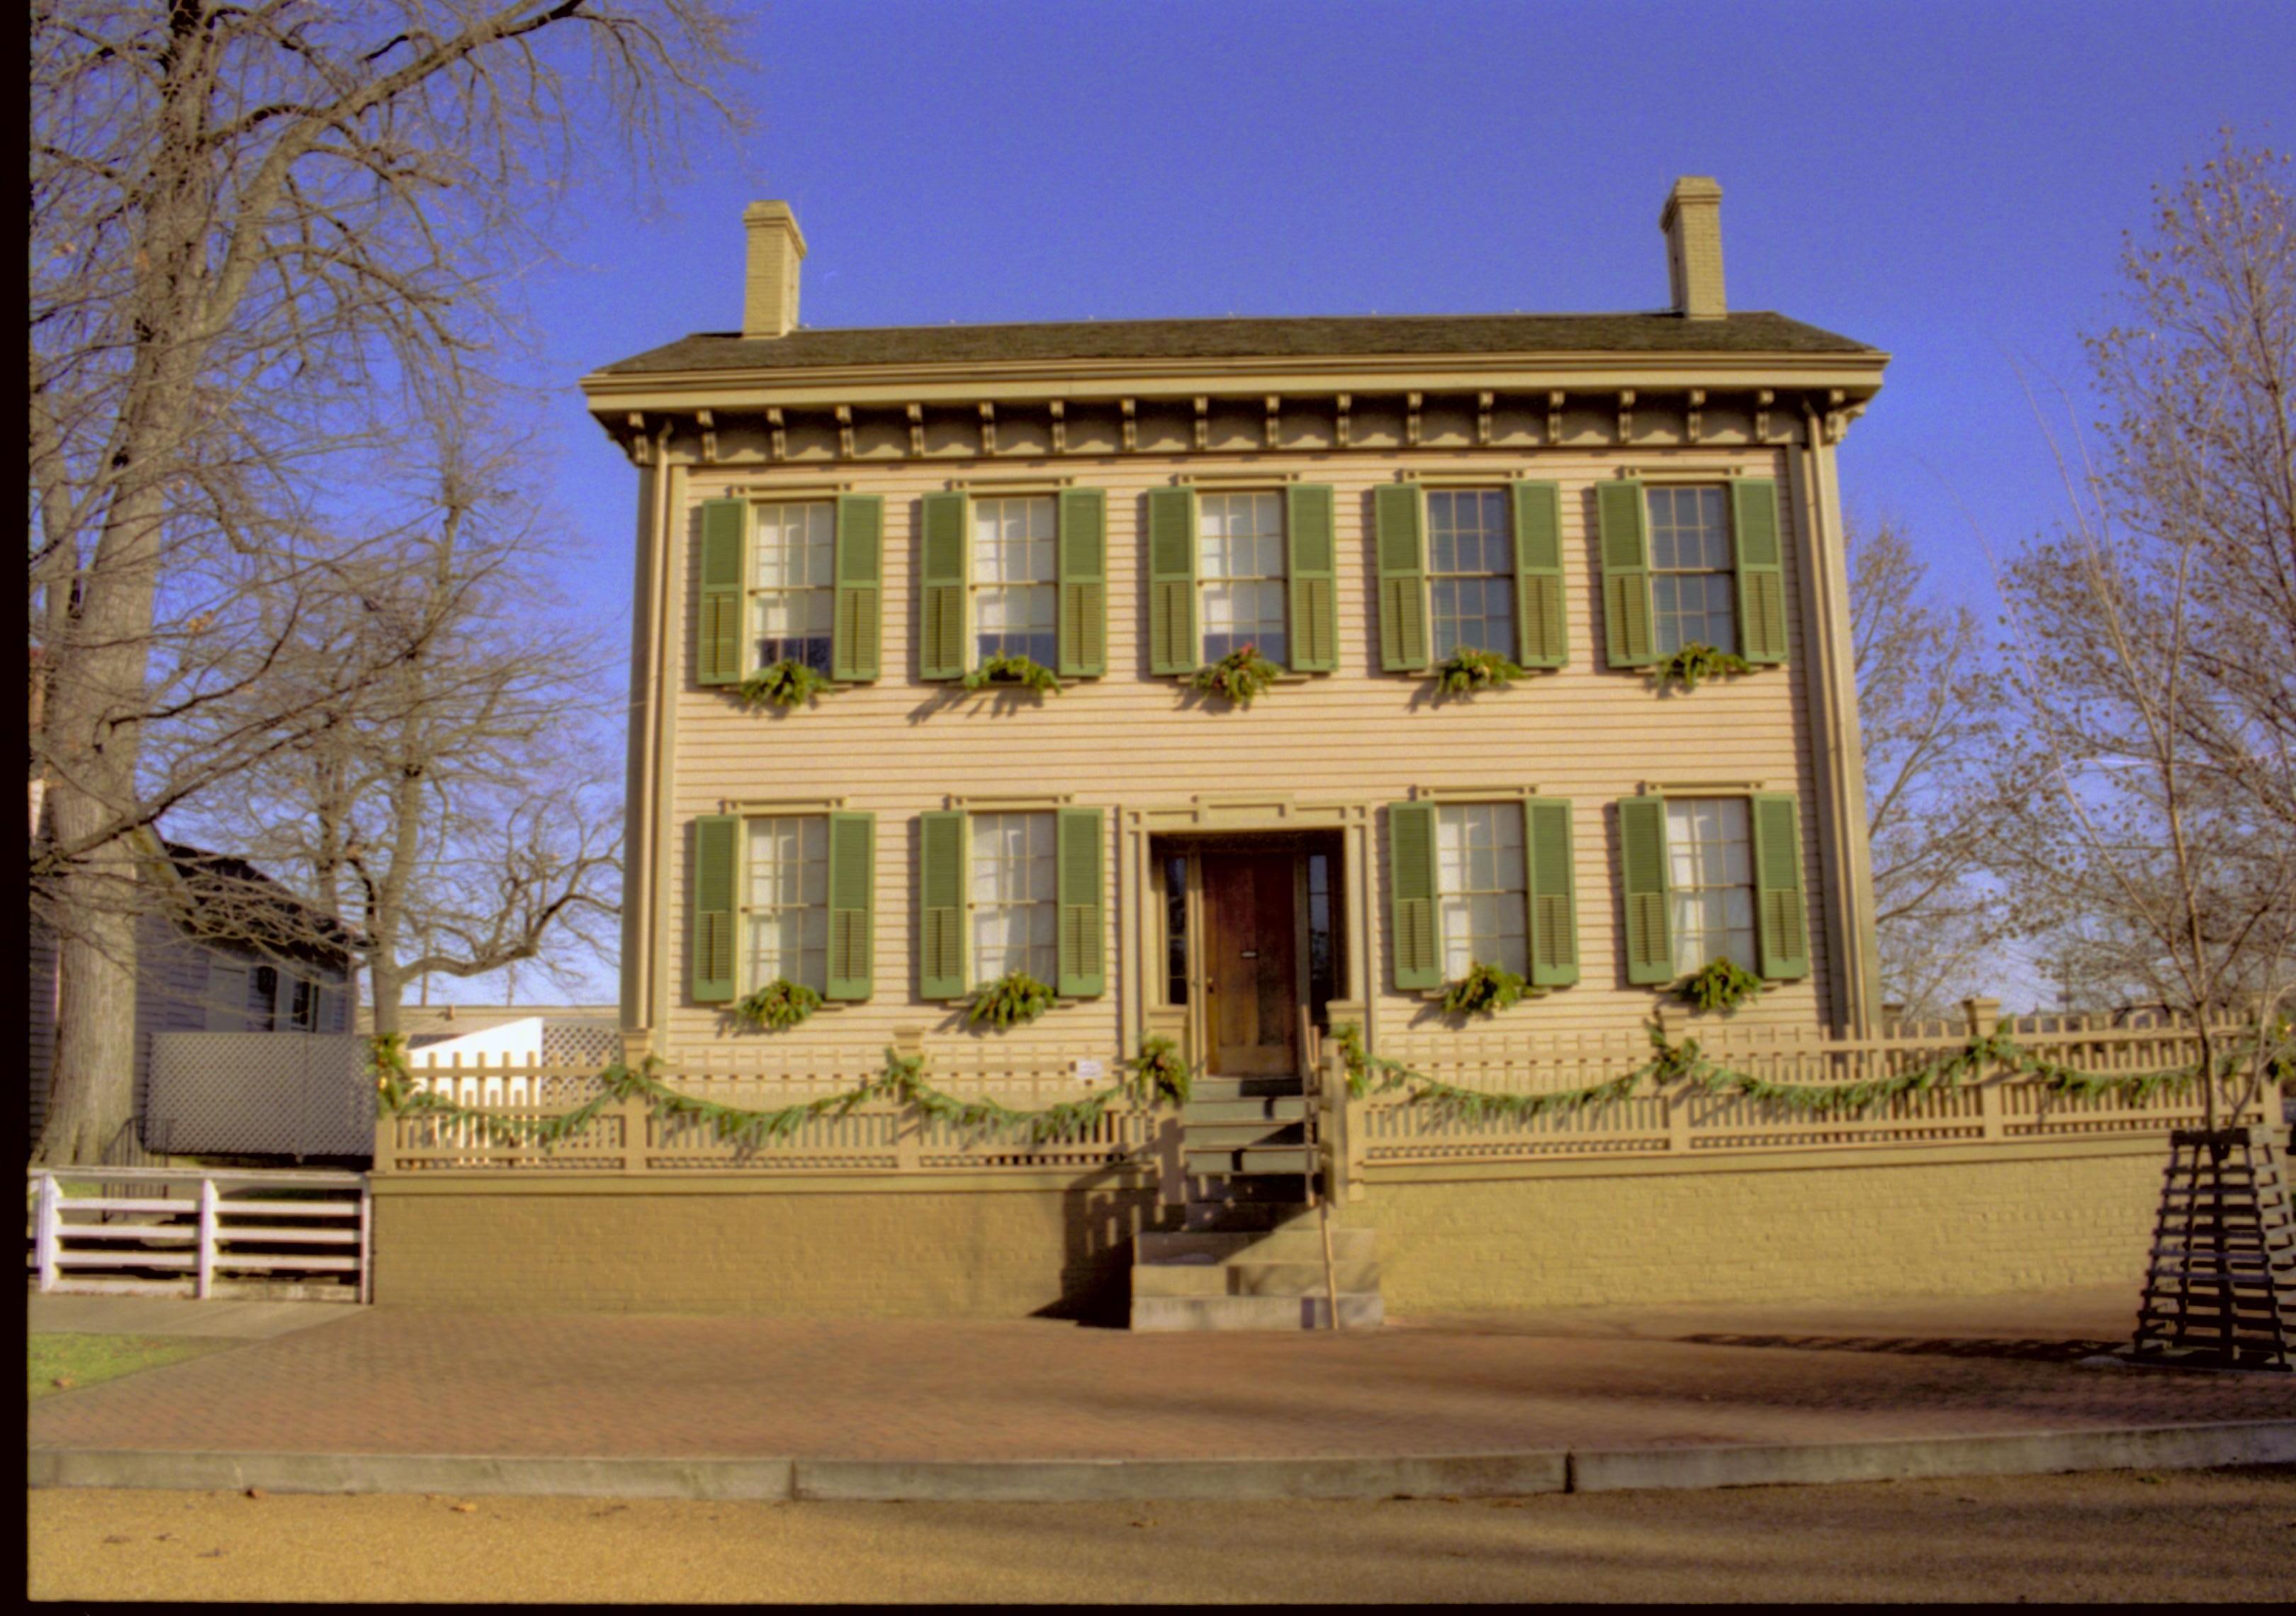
(1243, 1217)
(1300, 1242)
(1295, 1160)
(1256, 1108)
(1358, 1311)
(1240, 1088)
(1250, 1278)
(1196, 1136)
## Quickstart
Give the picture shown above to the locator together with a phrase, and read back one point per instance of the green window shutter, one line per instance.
(1078, 876)
(855, 628)
(725, 572)
(941, 906)
(1396, 513)
(852, 904)
(1418, 950)
(1172, 646)
(717, 880)
(1312, 561)
(944, 562)
(1642, 859)
(1782, 919)
(1550, 886)
(1541, 639)
(1084, 584)
(1761, 572)
(1627, 639)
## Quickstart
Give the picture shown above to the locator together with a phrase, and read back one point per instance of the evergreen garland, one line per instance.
(1483, 990)
(1159, 1073)
(1001, 668)
(784, 684)
(1696, 661)
(1466, 671)
(1013, 999)
(1238, 677)
(779, 1005)
(1720, 984)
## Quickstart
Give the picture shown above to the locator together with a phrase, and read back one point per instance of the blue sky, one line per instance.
(1949, 182)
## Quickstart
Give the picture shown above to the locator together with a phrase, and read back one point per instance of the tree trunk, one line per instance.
(92, 1091)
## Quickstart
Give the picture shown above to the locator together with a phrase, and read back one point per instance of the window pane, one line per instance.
(1710, 867)
(1013, 896)
(1478, 870)
(1692, 589)
(786, 900)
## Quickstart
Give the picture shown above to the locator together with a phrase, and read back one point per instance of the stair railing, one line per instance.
(1318, 1184)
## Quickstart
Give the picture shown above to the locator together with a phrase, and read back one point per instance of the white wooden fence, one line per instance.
(157, 1231)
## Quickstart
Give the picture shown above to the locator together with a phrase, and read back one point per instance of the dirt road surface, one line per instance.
(2185, 1535)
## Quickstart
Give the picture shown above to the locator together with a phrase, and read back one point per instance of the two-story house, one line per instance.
(1005, 577)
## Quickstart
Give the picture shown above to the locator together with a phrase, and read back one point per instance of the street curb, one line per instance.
(1143, 1480)
(1905, 1459)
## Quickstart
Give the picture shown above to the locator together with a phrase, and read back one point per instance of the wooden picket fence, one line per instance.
(200, 1232)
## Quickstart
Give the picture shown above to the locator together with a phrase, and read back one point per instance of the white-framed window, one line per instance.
(1480, 875)
(1240, 574)
(262, 1013)
(793, 599)
(1710, 881)
(1015, 580)
(785, 901)
(303, 1006)
(1693, 590)
(1014, 897)
(1471, 581)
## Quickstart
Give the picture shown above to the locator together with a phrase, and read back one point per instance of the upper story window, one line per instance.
(1015, 899)
(1241, 571)
(1710, 881)
(785, 901)
(792, 596)
(1692, 583)
(1015, 580)
(1479, 877)
(1470, 572)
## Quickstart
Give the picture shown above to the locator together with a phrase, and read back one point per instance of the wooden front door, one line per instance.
(1252, 962)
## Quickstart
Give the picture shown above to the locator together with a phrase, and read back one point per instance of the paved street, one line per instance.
(381, 1380)
(2183, 1535)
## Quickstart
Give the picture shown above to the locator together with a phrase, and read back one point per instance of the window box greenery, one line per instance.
(1696, 661)
(1003, 670)
(784, 684)
(1013, 999)
(1466, 671)
(1721, 984)
(779, 1005)
(1485, 988)
(1160, 1073)
(1238, 677)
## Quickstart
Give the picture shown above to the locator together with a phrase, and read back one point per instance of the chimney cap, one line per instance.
(1689, 188)
(757, 214)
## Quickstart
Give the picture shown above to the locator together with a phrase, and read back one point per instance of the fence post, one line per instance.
(365, 1242)
(50, 1226)
(1984, 1017)
(209, 1202)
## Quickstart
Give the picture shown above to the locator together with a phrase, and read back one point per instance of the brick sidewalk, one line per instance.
(391, 1380)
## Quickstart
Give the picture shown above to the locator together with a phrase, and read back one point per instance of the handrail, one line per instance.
(1312, 1090)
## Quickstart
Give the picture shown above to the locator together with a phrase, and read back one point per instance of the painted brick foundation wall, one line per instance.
(996, 1254)
(1779, 1231)
(1909, 1228)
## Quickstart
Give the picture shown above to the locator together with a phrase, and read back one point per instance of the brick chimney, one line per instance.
(1692, 223)
(769, 282)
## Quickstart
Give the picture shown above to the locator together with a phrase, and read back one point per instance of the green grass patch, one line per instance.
(83, 1360)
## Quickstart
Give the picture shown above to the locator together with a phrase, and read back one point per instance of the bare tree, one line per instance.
(1926, 702)
(2151, 836)
(456, 805)
(251, 226)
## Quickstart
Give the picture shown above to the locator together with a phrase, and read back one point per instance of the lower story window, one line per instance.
(1479, 865)
(1711, 883)
(1014, 897)
(785, 912)
(262, 998)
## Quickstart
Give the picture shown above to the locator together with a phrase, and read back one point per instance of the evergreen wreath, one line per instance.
(1238, 677)
(779, 1005)
(1001, 668)
(1466, 671)
(1012, 999)
(784, 684)
(1720, 984)
(1159, 1073)
(1484, 989)
(1696, 661)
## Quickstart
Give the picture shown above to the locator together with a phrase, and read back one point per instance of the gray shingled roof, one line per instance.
(1632, 334)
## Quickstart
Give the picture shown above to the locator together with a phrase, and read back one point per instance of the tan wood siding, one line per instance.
(1130, 740)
